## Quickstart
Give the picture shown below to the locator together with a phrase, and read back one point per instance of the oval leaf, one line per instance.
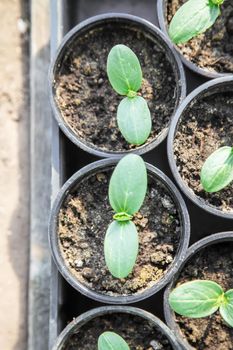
(121, 248)
(111, 341)
(128, 185)
(192, 19)
(134, 120)
(217, 171)
(196, 299)
(124, 70)
(226, 310)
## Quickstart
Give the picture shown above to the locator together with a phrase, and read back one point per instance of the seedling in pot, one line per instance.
(193, 18)
(202, 298)
(217, 171)
(127, 190)
(111, 341)
(125, 75)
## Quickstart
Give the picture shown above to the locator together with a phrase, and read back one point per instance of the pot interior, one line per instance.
(205, 125)
(212, 262)
(83, 216)
(211, 51)
(84, 99)
(139, 332)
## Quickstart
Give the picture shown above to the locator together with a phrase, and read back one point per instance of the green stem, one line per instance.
(131, 94)
(122, 216)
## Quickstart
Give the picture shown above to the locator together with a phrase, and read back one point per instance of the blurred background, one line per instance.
(14, 168)
(25, 174)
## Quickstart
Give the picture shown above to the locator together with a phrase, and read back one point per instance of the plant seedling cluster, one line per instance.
(202, 298)
(127, 190)
(111, 341)
(125, 75)
(193, 18)
(217, 171)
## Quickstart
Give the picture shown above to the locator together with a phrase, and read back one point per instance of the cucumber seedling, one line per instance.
(111, 341)
(193, 18)
(202, 298)
(125, 75)
(217, 171)
(127, 190)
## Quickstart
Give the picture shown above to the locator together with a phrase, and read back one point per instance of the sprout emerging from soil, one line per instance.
(217, 171)
(111, 341)
(125, 75)
(193, 18)
(202, 298)
(127, 190)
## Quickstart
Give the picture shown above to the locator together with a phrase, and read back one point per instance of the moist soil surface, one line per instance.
(212, 50)
(83, 221)
(206, 125)
(139, 333)
(214, 263)
(86, 99)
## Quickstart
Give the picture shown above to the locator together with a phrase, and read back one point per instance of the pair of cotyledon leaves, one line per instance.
(193, 18)
(111, 341)
(201, 298)
(195, 299)
(127, 190)
(125, 75)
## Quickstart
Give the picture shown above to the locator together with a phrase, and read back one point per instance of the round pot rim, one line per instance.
(192, 250)
(192, 66)
(181, 83)
(170, 152)
(87, 291)
(102, 310)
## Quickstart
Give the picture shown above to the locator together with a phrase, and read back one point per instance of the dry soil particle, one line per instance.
(213, 263)
(137, 332)
(83, 221)
(86, 99)
(206, 125)
(212, 50)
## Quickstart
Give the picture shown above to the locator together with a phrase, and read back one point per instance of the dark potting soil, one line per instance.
(213, 263)
(83, 221)
(136, 331)
(205, 126)
(212, 50)
(86, 99)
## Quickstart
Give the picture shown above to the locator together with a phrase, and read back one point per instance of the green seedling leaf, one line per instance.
(128, 185)
(196, 299)
(111, 341)
(192, 19)
(217, 171)
(217, 2)
(226, 309)
(121, 248)
(134, 120)
(124, 70)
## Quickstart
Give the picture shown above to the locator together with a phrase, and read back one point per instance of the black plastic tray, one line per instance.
(66, 303)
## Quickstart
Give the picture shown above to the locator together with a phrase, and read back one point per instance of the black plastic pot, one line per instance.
(87, 26)
(195, 248)
(106, 310)
(70, 185)
(162, 18)
(220, 84)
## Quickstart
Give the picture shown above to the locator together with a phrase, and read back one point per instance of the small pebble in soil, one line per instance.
(156, 345)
